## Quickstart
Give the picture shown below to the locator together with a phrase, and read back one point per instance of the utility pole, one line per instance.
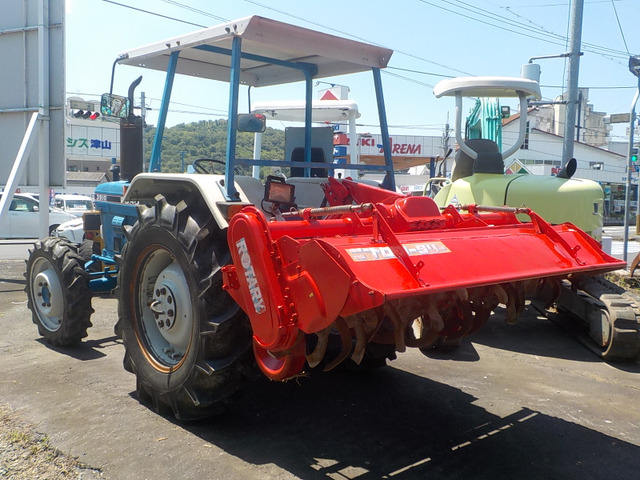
(143, 114)
(445, 146)
(634, 68)
(575, 38)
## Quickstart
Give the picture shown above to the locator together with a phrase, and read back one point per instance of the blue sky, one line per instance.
(432, 39)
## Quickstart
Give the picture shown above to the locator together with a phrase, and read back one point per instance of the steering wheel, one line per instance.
(205, 165)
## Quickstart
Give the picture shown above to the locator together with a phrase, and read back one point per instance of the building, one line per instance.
(541, 154)
(92, 144)
(590, 125)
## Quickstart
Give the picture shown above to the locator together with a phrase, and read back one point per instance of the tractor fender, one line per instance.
(206, 189)
(480, 189)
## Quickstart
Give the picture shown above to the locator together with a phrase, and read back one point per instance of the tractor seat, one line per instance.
(489, 159)
(317, 156)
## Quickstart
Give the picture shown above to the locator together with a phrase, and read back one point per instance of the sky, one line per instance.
(431, 39)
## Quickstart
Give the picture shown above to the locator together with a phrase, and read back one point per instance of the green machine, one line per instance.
(478, 175)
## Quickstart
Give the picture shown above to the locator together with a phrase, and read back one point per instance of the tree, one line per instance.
(208, 139)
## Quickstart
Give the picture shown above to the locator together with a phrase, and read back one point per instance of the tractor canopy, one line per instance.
(257, 52)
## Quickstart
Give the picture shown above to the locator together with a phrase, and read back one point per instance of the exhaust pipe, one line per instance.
(569, 169)
(131, 137)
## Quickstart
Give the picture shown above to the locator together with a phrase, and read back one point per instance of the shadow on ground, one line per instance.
(87, 349)
(393, 424)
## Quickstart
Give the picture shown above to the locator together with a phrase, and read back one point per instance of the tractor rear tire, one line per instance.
(58, 292)
(186, 340)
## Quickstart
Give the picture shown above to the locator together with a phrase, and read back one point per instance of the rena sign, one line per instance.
(406, 145)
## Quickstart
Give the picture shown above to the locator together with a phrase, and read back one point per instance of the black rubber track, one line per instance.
(62, 257)
(219, 357)
(623, 314)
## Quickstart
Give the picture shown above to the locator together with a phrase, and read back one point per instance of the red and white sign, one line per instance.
(406, 145)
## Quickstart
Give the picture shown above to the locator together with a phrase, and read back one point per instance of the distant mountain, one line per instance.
(208, 139)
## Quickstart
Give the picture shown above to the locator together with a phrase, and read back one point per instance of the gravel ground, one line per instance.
(26, 454)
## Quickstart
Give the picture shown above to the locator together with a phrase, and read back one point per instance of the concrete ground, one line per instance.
(525, 401)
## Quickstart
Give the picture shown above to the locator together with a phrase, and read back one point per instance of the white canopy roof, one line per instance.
(322, 110)
(487, 87)
(261, 37)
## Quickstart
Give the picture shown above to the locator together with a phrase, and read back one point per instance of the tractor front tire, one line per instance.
(186, 340)
(58, 292)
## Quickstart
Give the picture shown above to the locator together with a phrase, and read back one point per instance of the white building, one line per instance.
(92, 145)
(541, 154)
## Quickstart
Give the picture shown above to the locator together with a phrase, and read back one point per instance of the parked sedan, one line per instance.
(23, 218)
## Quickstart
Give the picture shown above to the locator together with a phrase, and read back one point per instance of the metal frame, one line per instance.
(198, 41)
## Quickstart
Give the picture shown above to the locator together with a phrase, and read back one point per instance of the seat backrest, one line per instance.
(489, 159)
(317, 155)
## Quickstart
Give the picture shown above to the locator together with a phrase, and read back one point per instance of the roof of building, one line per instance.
(87, 177)
(516, 116)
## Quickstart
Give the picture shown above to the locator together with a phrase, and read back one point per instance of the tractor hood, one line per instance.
(550, 197)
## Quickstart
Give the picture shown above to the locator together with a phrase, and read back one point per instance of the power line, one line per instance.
(587, 44)
(195, 10)
(620, 27)
(202, 12)
(619, 87)
(408, 79)
(538, 33)
(481, 12)
(219, 110)
(350, 35)
(154, 13)
(190, 112)
(604, 49)
(419, 72)
(556, 42)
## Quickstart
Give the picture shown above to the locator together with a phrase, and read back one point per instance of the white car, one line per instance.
(72, 203)
(23, 218)
(72, 230)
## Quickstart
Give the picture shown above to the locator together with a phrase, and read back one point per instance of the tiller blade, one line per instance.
(397, 272)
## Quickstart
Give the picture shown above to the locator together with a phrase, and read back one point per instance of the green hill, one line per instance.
(184, 143)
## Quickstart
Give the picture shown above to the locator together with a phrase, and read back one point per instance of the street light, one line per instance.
(634, 65)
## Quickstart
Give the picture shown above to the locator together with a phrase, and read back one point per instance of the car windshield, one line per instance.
(74, 204)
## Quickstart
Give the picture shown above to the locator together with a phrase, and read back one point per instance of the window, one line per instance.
(23, 205)
(596, 165)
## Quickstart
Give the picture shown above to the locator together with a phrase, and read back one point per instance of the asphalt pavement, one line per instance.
(15, 249)
(526, 401)
(616, 233)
